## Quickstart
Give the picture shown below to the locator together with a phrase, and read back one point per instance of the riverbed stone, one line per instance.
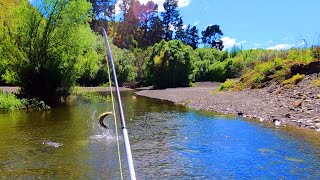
(297, 103)
(293, 105)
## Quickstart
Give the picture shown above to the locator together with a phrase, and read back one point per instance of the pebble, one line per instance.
(300, 104)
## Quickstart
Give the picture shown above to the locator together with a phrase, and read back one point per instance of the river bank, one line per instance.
(14, 89)
(299, 105)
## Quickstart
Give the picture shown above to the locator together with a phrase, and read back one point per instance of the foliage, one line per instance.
(208, 64)
(103, 8)
(316, 82)
(261, 67)
(315, 52)
(212, 37)
(293, 80)
(93, 96)
(192, 37)
(36, 104)
(50, 48)
(10, 102)
(124, 64)
(169, 64)
(170, 17)
(229, 83)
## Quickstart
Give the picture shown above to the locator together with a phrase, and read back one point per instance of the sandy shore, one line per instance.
(298, 106)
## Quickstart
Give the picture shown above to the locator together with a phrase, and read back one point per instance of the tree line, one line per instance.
(49, 47)
(141, 25)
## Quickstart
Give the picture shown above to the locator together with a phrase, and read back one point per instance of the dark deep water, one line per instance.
(168, 142)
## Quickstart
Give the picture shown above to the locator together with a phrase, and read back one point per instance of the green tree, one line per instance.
(145, 13)
(170, 18)
(169, 64)
(212, 37)
(127, 31)
(203, 60)
(50, 48)
(156, 32)
(103, 8)
(180, 33)
(192, 37)
(104, 13)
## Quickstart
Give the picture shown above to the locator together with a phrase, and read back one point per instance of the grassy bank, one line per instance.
(260, 68)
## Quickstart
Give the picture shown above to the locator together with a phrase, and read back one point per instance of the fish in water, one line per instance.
(101, 118)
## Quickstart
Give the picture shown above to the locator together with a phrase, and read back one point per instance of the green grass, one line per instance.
(10, 102)
(263, 67)
(229, 83)
(293, 80)
(316, 82)
(93, 96)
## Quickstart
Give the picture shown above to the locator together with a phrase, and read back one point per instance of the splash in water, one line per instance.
(52, 144)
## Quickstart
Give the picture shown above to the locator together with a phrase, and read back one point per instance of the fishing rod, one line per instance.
(123, 123)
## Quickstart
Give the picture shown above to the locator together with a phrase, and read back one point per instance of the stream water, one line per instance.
(168, 142)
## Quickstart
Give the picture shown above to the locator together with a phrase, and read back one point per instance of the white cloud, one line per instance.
(229, 42)
(280, 47)
(181, 3)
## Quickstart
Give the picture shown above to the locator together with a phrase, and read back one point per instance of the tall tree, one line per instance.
(145, 13)
(104, 11)
(212, 37)
(128, 28)
(50, 48)
(156, 32)
(180, 31)
(192, 37)
(170, 18)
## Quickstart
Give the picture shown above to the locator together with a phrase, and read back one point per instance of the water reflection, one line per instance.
(168, 142)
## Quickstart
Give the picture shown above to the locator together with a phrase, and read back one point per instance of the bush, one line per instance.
(9, 101)
(47, 53)
(226, 85)
(293, 80)
(315, 52)
(316, 82)
(169, 65)
(202, 59)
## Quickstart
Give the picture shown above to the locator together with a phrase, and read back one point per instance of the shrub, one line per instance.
(226, 85)
(293, 80)
(169, 64)
(9, 101)
(315, 52)
(316, 82)
(50, 49)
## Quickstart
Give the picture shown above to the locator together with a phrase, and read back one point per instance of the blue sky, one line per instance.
(273, 24)
(269, 24)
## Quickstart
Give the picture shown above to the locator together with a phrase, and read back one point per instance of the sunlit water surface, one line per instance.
(168, 142)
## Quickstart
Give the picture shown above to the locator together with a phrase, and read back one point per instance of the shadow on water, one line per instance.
(168, 142)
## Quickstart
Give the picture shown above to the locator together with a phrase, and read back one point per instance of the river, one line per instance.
(168, 142)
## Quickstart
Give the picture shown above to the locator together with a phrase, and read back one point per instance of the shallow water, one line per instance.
(168, 142)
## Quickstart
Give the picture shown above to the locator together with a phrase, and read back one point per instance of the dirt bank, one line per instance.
(298, 106)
